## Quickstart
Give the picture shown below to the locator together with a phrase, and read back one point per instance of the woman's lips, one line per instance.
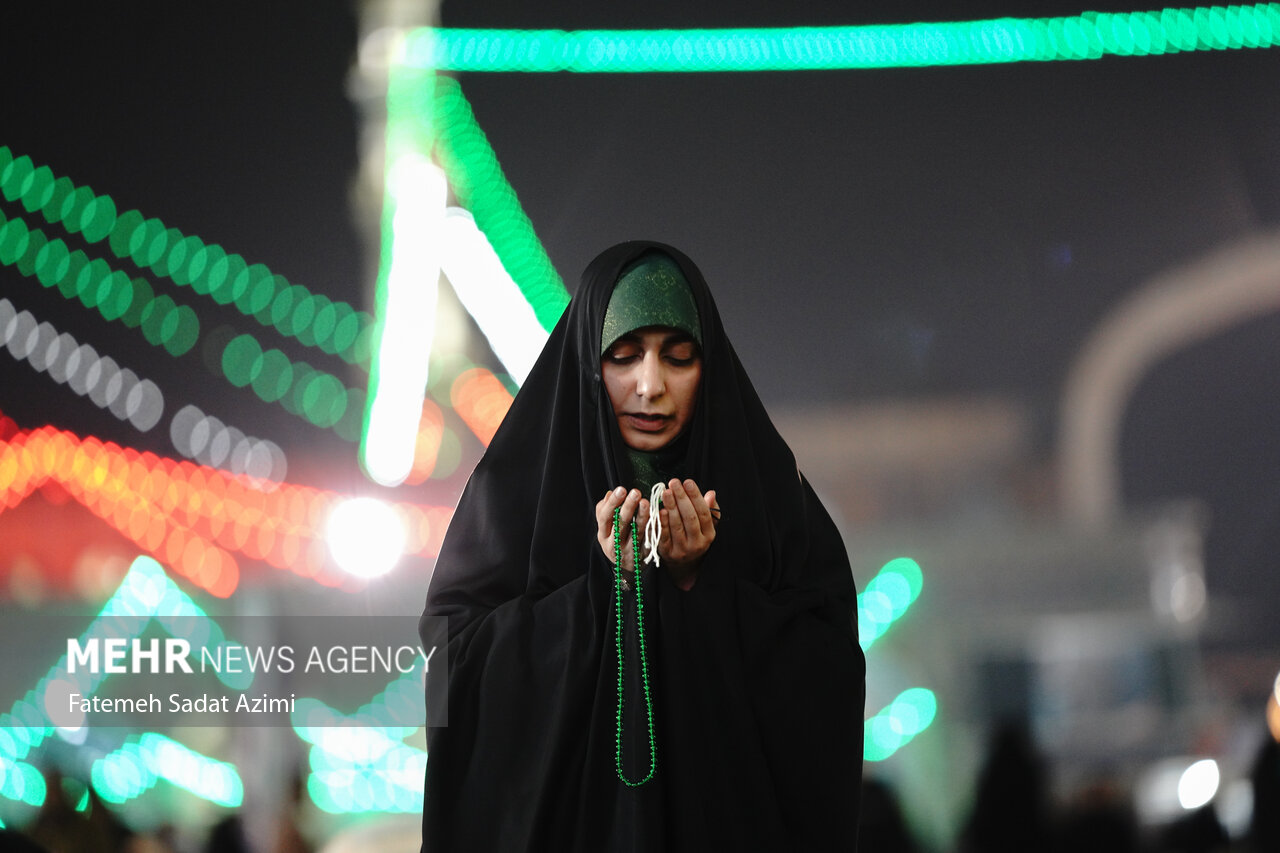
(647, 423)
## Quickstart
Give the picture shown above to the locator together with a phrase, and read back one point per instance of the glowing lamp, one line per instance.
(366, 537)
(1198, 785)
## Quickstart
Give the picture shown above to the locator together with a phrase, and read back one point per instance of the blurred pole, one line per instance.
(383, 25)
(1173, 311)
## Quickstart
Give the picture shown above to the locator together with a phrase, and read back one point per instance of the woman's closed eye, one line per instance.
(681, 355)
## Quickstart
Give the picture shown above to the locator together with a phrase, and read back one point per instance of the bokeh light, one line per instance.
(313, 395)
(144, 594)
(894, 727)
(490, 295)
(407, 295)
(482, 401)
(886, 598)
(335, 328)
(1198, 784)
(210, 442)
(426, 451)
(79, 366)
(144, 760)
(480, 186)
(113, 295)
(366, 537)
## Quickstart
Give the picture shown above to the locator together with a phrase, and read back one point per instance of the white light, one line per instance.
(209, 441)
(75, 737)
(381, 49)
(408, 319)
(366, 537)
(489, 294)
(105, 383)
(1198, 784)
(59, 708)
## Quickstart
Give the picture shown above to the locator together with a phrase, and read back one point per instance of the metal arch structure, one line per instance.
(1187, 305)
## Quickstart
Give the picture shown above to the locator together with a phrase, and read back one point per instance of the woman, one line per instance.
(736, 722)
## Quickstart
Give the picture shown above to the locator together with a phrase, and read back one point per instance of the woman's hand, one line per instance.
(633, 506)
(689, 521)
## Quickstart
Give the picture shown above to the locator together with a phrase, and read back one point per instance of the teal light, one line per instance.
(146, 593)
(886, 598)
(895, 726)
(140, 763)
(21, 781)
(359, 762)
(480, 186)
(1090, 35)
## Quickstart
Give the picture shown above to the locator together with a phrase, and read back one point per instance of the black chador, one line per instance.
(754, 675)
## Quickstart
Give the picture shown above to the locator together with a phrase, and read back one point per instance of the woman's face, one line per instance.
(652, 377)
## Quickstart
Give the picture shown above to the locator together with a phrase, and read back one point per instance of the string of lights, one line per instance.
(480, 186)
(193, 517)
(1091, 35)
(144, 760)
(115, 296)
(117, 389)
(293, 311)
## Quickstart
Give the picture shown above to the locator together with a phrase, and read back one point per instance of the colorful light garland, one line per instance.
(333, 327)
(192, 517)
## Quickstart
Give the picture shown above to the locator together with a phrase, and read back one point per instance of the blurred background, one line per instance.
(270, 274)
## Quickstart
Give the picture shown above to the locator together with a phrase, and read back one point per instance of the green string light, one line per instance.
(335, 328)
(479, 184)
(314, 395)
(115, 296)
(1091, 35)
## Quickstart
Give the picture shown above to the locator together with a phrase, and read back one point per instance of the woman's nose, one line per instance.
(650, 382)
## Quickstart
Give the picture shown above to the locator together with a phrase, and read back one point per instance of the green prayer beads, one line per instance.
(620, 586)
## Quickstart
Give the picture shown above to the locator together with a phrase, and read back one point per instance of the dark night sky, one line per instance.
(869, 235)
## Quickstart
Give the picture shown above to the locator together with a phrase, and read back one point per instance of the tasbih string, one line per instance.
(620, 586)
(653, 529)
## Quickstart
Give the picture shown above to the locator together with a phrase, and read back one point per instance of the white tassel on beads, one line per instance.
(653, 529)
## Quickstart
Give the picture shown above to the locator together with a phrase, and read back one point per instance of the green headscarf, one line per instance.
(651, 291)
